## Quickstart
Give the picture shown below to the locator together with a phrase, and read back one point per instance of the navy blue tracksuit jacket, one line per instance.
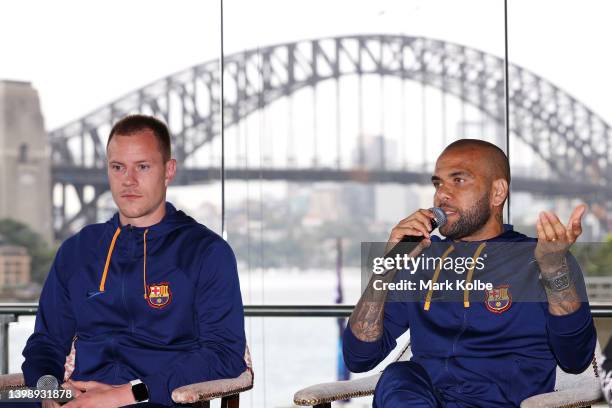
(483, 353)
(161, 304)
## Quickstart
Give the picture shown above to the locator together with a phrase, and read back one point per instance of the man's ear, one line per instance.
(170, 171)
(499, 192)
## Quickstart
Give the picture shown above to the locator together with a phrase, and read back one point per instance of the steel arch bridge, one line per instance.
(571, 139)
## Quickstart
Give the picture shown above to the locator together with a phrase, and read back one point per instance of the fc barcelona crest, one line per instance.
(499, 299)
(159, 295)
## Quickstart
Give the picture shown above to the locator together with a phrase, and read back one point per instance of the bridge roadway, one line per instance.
(80, 177)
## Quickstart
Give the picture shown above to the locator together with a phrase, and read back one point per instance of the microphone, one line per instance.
(47, 382)
(438, 221)
(398, 250)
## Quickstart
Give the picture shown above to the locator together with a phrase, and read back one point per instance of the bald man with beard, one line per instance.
(476, 348)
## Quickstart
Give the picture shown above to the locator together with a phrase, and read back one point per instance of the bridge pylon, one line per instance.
(25, 159)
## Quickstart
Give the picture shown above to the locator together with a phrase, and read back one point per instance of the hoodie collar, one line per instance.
(172, 219)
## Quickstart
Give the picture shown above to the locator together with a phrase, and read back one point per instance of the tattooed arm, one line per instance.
(570, 329)
(366, 321)
(554, 240)
(565, 301)
(374, 326)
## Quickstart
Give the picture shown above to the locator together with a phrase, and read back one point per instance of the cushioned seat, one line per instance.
(571, 390)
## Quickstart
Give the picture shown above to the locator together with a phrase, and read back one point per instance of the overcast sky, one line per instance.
(82, 54)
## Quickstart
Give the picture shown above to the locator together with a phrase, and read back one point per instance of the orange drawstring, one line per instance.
(108, 258)
(434, 279)
(466, 292)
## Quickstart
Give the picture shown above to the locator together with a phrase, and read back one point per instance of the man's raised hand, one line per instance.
(554, 238)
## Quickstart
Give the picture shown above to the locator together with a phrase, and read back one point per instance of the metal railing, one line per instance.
(10, 312)
(598, 309)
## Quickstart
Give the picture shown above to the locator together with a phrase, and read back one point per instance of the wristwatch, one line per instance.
(140, 391)
(558, 283)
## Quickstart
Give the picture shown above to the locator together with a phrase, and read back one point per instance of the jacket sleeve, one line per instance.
(572, 337)
(220, 315)
(46, 349)
(361, 356)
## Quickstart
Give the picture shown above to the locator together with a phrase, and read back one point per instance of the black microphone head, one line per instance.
(440, 217)
(47, 382)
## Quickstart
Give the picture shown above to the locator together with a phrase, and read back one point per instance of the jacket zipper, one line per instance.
(455, 340)
(463, 327)
(123, 277)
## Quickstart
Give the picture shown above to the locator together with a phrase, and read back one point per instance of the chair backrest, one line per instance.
(405, 353)
(588, 378)
(69, 364)
(247, 359)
